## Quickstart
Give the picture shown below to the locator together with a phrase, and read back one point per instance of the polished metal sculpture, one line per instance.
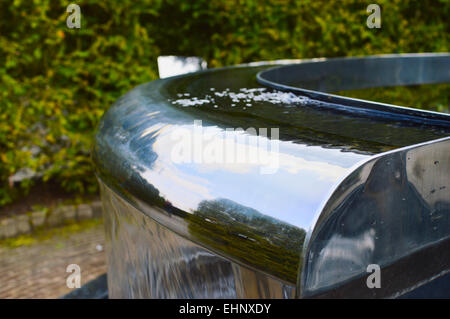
(355, 183)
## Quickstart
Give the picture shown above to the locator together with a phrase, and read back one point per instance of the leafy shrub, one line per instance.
(56, 82)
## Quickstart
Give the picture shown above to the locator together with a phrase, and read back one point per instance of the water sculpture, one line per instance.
(342, 183)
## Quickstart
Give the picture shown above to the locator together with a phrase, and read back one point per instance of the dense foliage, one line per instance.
(56, 82)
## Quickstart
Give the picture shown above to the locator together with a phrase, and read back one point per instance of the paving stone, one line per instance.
(39, 270)
(97, 209)
(55, 217)
(69, 212)
(38, 219)
(23, 224)
(1, 229)
(84, 211)
(8, 228)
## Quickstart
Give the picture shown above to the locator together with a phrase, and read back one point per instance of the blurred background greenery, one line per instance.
(56, 82)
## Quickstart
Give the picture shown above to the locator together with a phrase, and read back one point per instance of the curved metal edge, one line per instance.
(363, 107)
(342, 193)
(146, 209)
(275, 63)
(130, 185)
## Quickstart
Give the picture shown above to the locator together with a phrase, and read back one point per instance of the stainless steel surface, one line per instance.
(390, 207)
(317, 78)
(159, 211)
(170, 65)
(147, 260)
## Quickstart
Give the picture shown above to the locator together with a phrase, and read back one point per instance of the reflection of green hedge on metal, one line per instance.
(250, 237)
(259, 253)
(56, 82)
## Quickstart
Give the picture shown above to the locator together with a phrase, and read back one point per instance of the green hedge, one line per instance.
(56, 82)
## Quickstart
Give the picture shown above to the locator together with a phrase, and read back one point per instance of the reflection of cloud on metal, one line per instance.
(350, 253)
(185, 184)
(238, 152)
(171, 65)
(189, 190)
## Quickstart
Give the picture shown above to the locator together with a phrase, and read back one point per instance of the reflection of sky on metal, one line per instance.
(353, 254)
(171, 65)
(304, 176)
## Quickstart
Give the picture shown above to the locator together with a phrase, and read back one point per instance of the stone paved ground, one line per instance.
(39, 270)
